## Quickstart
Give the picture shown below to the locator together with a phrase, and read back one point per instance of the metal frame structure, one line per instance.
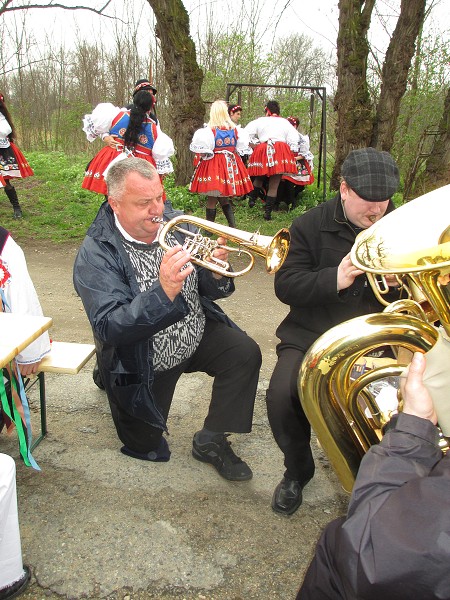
(322, 94)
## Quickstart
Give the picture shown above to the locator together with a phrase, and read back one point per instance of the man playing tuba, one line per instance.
(322, 288)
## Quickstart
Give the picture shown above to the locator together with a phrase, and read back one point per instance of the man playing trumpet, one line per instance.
(153, 319)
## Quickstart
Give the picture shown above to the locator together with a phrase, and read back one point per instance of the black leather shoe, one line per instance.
(287, 496)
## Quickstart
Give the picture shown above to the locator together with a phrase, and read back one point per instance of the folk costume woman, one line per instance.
(292, 186)
(220, 172)
(127, 132)
(13, 164)
(274, 141)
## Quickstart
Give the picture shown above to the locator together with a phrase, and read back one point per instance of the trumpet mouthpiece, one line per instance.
(157, 220)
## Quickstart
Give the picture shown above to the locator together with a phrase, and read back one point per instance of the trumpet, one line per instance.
(273, 249)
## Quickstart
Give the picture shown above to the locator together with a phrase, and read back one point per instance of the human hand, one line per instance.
(391, 281)
(110, 141)
(220, 254)
(347, 273)
(416, 398)
(29, 369)
(175, 268)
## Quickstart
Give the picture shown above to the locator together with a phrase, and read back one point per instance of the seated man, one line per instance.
(153, 318)
(394, 541)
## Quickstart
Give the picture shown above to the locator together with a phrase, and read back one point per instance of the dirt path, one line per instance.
(96, 524)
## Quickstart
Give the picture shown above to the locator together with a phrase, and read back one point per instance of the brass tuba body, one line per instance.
(273, 249)
(413, 244)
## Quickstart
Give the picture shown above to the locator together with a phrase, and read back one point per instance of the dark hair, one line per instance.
(143, 102)
(5, 113)
(293, 121)
(273, 107)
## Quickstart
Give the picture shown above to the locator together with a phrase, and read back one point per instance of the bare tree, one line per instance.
(437, 168)
(352, 102)
(394, 76)
(358, 123)
(184, 78)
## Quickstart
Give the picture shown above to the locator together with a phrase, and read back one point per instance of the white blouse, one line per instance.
(22, 299)
(5, 130)
(99, 122)
(276, 129)
(203, 142)
(304, 149)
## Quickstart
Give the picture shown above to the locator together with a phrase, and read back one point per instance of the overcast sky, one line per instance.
(318, 20)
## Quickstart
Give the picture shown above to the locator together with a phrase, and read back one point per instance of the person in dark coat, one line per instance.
(394, 541)
(322, 288)
(153, 319)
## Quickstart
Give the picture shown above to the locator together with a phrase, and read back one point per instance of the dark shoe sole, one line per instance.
(286, 513)
(207, 460)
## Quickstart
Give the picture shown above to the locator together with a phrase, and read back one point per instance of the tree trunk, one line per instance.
(394, 75)
(437, 168)
(352, 100)
(184, 78)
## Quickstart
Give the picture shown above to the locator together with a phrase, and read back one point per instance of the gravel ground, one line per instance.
(97, 524)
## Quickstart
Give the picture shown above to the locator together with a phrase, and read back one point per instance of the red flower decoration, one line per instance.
(5, 275)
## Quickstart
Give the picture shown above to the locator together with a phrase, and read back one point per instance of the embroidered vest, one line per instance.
(225, 139)
(147, 136)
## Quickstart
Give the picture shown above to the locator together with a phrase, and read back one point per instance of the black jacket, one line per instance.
(307, 280)
(394, 543)
(124, 319)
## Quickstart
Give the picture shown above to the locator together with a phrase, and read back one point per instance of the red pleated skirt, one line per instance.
(93, 178)
(267, 160)
(13, 164)
(225, 175)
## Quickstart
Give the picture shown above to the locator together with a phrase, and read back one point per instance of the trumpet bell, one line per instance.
(413, 242)
(276, 250)
(390, 246)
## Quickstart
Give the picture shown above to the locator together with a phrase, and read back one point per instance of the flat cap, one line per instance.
(372, 174)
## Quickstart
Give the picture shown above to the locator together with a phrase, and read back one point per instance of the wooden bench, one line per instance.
(64, 357)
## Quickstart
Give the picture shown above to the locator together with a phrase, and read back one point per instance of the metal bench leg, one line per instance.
(43, 408)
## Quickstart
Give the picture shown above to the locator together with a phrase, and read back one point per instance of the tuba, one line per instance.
(413, 244)
(273, 249)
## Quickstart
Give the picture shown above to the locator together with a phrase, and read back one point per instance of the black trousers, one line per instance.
(227, 354)
(290, 427)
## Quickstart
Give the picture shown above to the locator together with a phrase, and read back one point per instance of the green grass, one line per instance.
(57, 209)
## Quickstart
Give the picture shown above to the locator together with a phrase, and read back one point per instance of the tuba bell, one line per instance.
(413, 244)
(201, 247)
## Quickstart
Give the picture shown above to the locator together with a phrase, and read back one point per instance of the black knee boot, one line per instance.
(270, 201)
(253, 197)
(229, 214)
(211, 214)
(12, 195)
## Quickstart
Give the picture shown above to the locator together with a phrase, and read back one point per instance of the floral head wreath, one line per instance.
(234, 108)
(144, 85)
(293, 121)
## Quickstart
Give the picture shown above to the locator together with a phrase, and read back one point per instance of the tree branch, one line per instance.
(6, 8)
